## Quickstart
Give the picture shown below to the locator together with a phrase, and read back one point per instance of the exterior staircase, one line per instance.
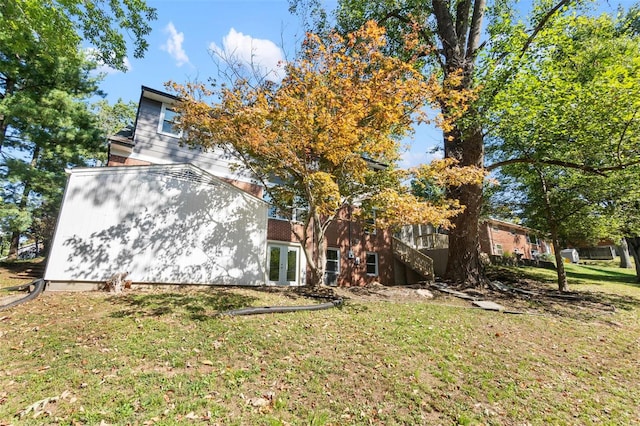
(419, 262)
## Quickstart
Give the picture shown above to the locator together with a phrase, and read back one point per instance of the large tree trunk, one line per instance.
(16, 234)
(463, 263)
(623, 250)
(9, 88)
(316, 252)
(465, 142)
(634, 249)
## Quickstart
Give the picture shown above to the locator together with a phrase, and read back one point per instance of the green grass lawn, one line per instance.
(163, 357)
(591, 276)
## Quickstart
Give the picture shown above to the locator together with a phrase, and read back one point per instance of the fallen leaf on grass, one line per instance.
(258, 402)
(37, 407)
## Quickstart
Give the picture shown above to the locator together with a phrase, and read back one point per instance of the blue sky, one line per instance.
(187, 31)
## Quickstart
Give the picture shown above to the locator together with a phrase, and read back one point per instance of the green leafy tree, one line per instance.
(567, 129)
(454, 44)
(36, 33)
(45, 123)
(114, 117)
(49, 132)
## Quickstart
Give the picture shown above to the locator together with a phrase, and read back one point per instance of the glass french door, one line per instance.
(283, 264)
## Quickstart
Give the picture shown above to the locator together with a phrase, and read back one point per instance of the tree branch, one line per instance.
(447, 32)
(462, 21)
(624, 132)
(474, 32)
(541, 25)
(583, 167)
(424, 34)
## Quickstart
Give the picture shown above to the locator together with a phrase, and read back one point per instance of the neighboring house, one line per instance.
(181, 215)
(604, 250)
(499, 238)
(496, 237)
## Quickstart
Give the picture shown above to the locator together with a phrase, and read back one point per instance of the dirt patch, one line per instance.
(377, 292)
(515, 294)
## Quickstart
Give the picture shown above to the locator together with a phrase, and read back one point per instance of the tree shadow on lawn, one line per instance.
(200, 305)
(579, 303)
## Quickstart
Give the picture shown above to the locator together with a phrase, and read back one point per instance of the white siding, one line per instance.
(162, 224)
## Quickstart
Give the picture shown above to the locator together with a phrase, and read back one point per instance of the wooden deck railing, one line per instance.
(419, 262)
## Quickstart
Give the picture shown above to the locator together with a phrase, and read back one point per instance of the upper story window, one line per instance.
(370, 223)
(293, 214)
(168, 119)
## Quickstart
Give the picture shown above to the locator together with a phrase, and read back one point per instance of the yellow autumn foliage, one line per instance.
(323, 133)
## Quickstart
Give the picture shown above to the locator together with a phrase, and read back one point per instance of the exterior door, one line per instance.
(283, 264)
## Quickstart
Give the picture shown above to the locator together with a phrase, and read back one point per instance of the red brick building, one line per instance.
(501, 238)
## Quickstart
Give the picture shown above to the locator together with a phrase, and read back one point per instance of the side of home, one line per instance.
(141, 215)
(169, 213)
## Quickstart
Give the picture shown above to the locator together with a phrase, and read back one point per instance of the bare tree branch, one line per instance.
(475, 29)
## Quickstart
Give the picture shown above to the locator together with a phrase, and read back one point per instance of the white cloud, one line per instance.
(263, 55)
(173, 46)
(417, 156)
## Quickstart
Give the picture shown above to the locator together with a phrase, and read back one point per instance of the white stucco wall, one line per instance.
(171, 224)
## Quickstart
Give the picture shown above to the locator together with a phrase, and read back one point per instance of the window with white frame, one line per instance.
(332, 268)
(168, 119)
(499, 250)
(372, 264)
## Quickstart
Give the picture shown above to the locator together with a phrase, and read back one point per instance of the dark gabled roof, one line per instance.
(125, 133)
(158, 95)
(123, 137)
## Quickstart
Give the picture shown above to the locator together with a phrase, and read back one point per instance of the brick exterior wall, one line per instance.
(346, 234)
(280, 230)
(511, 238)
(251, 188)
(116, 160)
